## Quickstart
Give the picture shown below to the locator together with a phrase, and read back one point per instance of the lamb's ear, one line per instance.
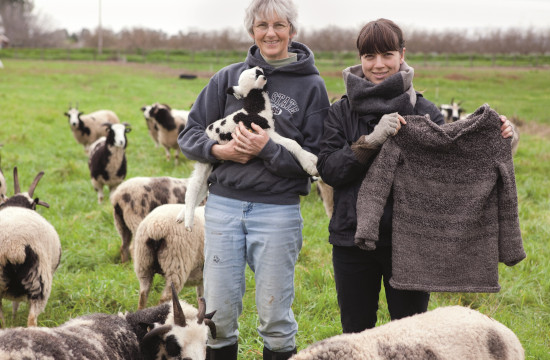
(234, 90)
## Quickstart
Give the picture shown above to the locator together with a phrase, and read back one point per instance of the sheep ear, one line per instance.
(37, 201)
(145, 326)
(235, 91)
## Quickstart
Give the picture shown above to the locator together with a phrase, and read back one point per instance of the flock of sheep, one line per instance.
(144, 212)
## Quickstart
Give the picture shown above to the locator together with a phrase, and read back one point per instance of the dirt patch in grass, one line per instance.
(535, 129)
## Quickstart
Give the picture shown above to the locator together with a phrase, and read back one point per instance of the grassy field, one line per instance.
(36, 136)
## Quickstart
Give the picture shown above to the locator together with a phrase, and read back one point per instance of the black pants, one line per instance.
(358, 275)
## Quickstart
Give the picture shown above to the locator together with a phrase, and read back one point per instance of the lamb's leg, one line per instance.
(144, 288)
(167, 292)
(305, 158)
(195, 193)
(99, 189)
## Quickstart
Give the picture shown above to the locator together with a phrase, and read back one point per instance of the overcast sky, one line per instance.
(172, 16)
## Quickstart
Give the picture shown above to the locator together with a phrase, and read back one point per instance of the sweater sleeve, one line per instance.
(510, 243)
(374, 193)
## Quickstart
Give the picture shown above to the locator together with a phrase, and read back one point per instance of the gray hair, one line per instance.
(268, 8)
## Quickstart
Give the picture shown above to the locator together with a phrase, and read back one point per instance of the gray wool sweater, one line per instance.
(455, 212)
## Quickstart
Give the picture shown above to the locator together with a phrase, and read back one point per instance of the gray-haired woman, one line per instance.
(253, 209)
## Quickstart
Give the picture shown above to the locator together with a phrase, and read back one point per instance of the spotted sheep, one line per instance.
(168, 331)
(107, 159)
(256, 109)
(87, 128)
(164, 247)
(136, 197)
(446, 333)
(30, 252)
(169, 123)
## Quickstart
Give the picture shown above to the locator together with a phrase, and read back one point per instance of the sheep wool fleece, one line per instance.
(455, 211)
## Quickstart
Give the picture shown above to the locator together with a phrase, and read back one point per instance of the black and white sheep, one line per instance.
(152, 126)
(446, 333)
(87, 128)
(453, 111)
(177, 331)
(166, 248)
(30, 252)
(107, 159)
(170, 122)
(137, 197)
(256, 109)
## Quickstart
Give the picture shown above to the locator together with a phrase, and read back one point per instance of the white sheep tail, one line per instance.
(197, 189)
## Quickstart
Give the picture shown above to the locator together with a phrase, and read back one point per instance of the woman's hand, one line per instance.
(506, 129)
(229, 152)
(250, 142)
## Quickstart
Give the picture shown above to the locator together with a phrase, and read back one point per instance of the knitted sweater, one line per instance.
(455, 214)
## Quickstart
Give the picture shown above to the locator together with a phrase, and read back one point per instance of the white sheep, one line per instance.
(30, 252)
(170, 122)
(107, 159)
(167, 331)
(256, 109)
(165, 247)
(136, 197)
(446, 333)
(89, 127)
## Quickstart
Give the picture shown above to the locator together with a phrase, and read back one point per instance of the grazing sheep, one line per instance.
(170, 123)
(446, 333)
(452, 112)
(88, 128)
(30, 252)
(152, 126)
(163, 332)
(256, 109)
(107, 159)
(166, 248)
(137, 197)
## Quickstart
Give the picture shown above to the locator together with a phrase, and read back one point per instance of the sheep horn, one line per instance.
(202, 310)
(156, 332)
(35, 182)
(16, 188)
(212, 327)
(179, 316)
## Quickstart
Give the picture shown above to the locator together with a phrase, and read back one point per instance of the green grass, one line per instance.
(35, 136)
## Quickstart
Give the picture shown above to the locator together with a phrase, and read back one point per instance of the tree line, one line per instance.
(25, 29)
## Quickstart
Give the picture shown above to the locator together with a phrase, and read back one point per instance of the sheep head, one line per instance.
(249, 79)
(24, 199)
(184, 339)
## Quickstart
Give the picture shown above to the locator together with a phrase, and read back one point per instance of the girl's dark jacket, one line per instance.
(339, 167)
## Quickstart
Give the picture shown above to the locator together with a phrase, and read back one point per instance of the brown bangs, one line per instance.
(380, 36)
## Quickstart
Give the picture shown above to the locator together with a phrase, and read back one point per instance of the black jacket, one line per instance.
(339, 167)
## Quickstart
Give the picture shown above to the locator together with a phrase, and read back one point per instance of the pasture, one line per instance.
(35, 136)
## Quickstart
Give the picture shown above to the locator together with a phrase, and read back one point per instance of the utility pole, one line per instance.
(99, 33)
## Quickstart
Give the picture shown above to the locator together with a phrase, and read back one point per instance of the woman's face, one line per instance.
(378, 67)
(272, 35)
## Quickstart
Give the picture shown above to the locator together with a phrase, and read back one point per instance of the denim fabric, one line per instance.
(266, 237)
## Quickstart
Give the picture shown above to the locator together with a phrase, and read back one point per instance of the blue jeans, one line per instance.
(266, 237)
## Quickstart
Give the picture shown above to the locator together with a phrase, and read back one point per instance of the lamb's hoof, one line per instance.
(188, 228)
(179, 219)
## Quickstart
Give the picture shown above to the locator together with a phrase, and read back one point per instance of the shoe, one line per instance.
(225, 353)
(272, 355)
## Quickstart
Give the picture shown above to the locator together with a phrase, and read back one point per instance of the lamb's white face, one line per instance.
(120, 137)
(251, 79)
(190, 340)
(73, 117)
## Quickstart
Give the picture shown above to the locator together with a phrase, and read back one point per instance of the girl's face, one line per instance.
(272, 36)
(378, 67)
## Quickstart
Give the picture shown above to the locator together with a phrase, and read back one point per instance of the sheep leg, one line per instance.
(125, 247)
(167, 292)
(200, 290)
(167, 152)
(305, 158)
(2, 320)
(144, 288)
(14, 307)
(34, 310)
(99, 189)
(197, 189)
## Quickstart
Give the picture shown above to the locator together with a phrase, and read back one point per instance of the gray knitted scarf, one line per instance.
(394, 94)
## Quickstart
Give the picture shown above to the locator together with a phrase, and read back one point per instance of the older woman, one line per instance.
(253, 209)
